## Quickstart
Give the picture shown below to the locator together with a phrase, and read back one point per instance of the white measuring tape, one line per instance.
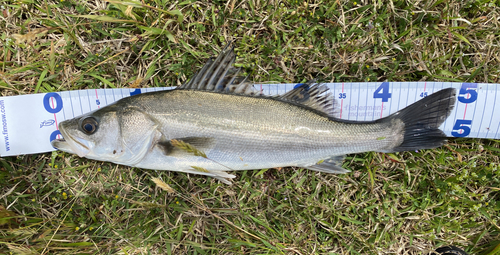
(29, 122)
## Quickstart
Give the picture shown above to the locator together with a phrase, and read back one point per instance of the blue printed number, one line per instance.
(54, 135)
(423, 94)
(135, 92)
(48, 108)
(383, 92)
(46, 102)
(299, 85)
(467, 88)
(461, 125)
(342, 95)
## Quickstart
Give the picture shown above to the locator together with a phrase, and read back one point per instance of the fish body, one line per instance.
(232, 128)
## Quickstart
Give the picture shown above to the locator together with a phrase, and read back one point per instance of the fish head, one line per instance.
(92, 135)
(115, 133)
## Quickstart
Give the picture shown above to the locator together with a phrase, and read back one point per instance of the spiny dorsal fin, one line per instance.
(314, 95)
(219, 75)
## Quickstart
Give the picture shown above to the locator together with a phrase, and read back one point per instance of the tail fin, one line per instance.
(422, 120)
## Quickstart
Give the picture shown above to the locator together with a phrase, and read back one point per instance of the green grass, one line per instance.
(405, 203)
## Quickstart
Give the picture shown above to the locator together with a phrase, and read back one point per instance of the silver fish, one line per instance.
(216, 123)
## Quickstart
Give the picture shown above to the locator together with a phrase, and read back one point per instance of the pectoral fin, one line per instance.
(331, 165)
(186, 146)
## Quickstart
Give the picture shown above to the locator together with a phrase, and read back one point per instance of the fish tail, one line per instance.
(422, 120)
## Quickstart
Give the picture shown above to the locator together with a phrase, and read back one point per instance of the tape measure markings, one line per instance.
(484, 109)
(477, 105)
(494, 108)
(97, 98)
(399, 98)
(55, 117)
(350, 94)
(382, 105)
(80, 97)
(98, 101)
(456, 112)
(341, 101)
(390, 104)
(88, 101)
(349, 108)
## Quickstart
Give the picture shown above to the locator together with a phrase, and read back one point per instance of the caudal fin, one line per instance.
(422, 120)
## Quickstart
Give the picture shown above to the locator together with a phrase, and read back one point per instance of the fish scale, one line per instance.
(252, 127)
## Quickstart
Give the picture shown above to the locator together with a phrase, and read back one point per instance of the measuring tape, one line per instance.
(29, 122)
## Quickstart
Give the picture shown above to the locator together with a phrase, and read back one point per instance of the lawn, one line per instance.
(401, 203)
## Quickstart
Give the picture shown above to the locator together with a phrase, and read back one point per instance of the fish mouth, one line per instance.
(71, 144)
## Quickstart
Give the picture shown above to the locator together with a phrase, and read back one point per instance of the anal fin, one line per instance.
(331, 165)
(222, 176)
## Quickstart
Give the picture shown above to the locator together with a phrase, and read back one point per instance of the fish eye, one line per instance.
(89, 125)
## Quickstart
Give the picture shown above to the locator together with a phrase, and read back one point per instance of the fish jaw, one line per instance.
(71, 144)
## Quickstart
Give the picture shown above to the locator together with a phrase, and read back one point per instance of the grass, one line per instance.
(404, 203)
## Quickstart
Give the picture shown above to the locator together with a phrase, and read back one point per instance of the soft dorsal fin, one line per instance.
(313, 95)
(219, 75)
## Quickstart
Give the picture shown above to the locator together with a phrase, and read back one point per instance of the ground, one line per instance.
(402, 203)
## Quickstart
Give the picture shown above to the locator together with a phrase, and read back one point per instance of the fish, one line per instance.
(217, 122)
(47, 123)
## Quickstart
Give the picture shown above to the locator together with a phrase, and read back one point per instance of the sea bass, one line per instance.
(217, 123)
